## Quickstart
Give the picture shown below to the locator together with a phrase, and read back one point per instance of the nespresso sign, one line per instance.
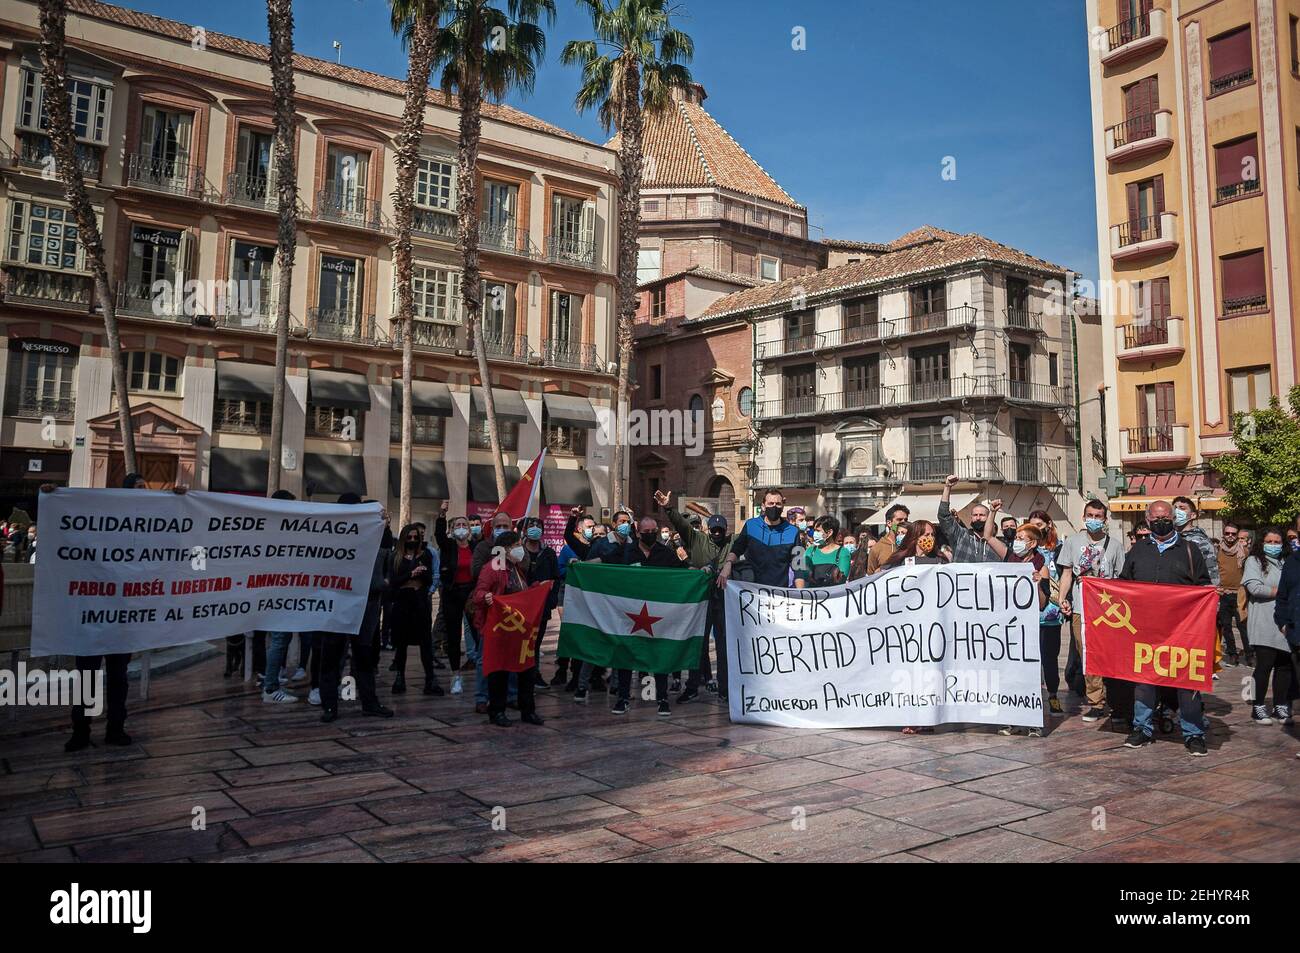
(31, 346)
(156, 236)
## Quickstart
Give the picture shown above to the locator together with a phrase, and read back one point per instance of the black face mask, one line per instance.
(649, 536)
(1162, 527)
(773, 513)
(1009, 535)
(977, 525)
(718, 535)
(412, 544)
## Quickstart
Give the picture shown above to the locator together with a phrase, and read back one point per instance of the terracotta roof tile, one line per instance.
(174, 29)
(850, 245)
(702, 272)
(690, 148)
(916, 257)
(926, 233)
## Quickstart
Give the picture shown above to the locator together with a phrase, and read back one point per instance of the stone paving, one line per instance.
(276, 784)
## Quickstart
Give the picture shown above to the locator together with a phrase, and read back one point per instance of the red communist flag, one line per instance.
(510, 629)
(518, 503)
(1149, 632)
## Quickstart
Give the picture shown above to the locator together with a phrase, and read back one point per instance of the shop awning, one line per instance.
(427, 397)
(239, 381)
(336, 389)
(483, 482)
(231, 470)
(925, 506)
(566, 487)
(509, 404)
(1138, 504)
(330, 474)
(428, 478)
(566, 410)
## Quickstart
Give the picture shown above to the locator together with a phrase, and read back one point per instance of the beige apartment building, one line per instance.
(1196, 131)
(174, 128)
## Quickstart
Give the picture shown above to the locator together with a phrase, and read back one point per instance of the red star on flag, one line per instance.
(643, 620)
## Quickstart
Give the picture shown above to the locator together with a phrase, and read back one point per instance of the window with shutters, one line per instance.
(507, 430)
(1231, 60)
(862, 319)
(250, 182)
(426, 429)
(164, 160)
(929, 302)
(1150, 325)
(237, 415)
(499, 316)
(573, 230)
(1146, 203)
(1020, 357)
(90, 99)
(252, 273)
(931, 447)
(862, 381)
(41, 381)
(1244, 279)
(338, 290)
(798, 456)
(799, 327)
(156, 270)
(1155, 430)
(1132, 22)
(346, 174)
(1249, 388)
(930, 373)
(1141, 100)
(149, 372)
(658, 301)
(1236, 168)
(799, 389)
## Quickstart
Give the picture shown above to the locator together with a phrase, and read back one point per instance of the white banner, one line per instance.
(916, 645)
(128, 570)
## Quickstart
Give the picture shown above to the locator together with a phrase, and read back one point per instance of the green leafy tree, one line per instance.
(1261, 480)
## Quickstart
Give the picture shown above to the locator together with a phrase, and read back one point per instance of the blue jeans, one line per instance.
(1190, 716)
(277, 648)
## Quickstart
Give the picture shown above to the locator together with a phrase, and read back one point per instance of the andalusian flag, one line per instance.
(650, 620)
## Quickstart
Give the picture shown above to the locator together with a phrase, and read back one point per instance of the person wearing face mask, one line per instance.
(543, 565)
(1026, 548)
(497, 578)
(457, 560)
(919, 546)
(799, 517)
(409, 580)
(1292, 543)
(500, 525)
(968, 545)
(1091, 552)
(1230, 555)
(827, 560)
(1286, 615)
(475, 529)
(1261, 579)
(896, 518)
(612, 548)
(705, 551)
(767, 544)
(1185, 522)
(1170, 560)
(1141, 534)
(579, 535)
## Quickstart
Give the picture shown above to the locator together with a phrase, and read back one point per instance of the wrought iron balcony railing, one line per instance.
(427, 223)
(571, 250)
(341, 324)
(1235, 189)
(1022, 319)
(36, 152)
(251, 191)
(349, 206)
(1157, 439)
(1133, 129)
(962, 316)
(50, 289)
(32, 402)
(1245, 303)
(1143, 229)
(143, 301)
(1152, 332)
(570, 354)
(504, 237)
(1224, 83)
(1126, 31)
(173, 176)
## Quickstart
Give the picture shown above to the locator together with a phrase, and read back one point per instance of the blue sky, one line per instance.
(857, 125)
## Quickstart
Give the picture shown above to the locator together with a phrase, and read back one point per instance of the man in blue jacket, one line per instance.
(767, 543)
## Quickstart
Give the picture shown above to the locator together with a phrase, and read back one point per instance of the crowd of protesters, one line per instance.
(432, 592)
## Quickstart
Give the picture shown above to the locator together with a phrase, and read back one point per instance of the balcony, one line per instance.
(1028, 392)
(1022, 319)
(251, 191)
(1134, 37)
(802, 406)
(260, 319)
(944, 390)
(570, 250)
(789, 346)
(1164, 445)
(934, 469)
(1140, 136)
(47, 289)
(952, 319)
(234, 416)
(342, 324)
(1142, 237)
(505, 238)
(1029, 467)
(438, 226)
(569, 354)
(1236, 190)
(36, 153)
(858, 399)
(1150, 340)
(33, 403)
(787, 476)
(507, 347)
(142, 301)
(1222, 84)
(349, 206)
(173, 176)
(1247, 304)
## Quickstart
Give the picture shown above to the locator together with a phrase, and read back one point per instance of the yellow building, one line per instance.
(1195, 132)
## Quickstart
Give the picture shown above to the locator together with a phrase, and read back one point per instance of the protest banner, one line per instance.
(635, 617)
(128, 570)
(915, 645)
(510, 629)
(1150, 633)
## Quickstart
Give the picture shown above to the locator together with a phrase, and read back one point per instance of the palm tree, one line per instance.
(54, 58)
(483, 50)
(279, 22)
(643, 59)
(417, 23)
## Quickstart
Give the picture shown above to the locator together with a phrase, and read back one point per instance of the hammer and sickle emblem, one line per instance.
(512, 620)
(1117, 614)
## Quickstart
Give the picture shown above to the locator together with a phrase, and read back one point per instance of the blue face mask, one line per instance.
(475, 529)
(498, 533)
(850, 547)
(1272, 549)
(1295, 545)
(534, 532)
(1094, 525)
(1181, 517)
(898, 539)
(625, 529)
(1045, 550)
(818, 537)
(587, 533)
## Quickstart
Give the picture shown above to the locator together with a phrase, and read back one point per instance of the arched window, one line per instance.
(745, 401)
(697, 404)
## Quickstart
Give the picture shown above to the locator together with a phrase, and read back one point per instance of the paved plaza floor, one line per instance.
(436, 783)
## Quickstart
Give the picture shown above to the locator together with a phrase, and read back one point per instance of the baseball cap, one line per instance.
(717, 521)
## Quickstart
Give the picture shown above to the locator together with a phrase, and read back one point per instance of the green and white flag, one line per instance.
(650, 620)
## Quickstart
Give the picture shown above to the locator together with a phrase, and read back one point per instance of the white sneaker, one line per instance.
(278, 697)
(314, 697)
(456, 687)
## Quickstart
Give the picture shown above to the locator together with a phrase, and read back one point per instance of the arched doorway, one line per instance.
(720, 489)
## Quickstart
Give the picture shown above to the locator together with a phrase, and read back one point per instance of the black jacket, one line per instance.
(403, 566)
(1180, 565)
(1286, 608)
(544, 565)
(447, 547)
(660, 555)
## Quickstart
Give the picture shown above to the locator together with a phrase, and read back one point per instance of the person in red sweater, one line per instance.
(500, 576)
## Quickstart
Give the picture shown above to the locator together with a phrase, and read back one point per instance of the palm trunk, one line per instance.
(471, 103)
(629, 225)
(279, 18)
(420, 62)
(53, 18)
